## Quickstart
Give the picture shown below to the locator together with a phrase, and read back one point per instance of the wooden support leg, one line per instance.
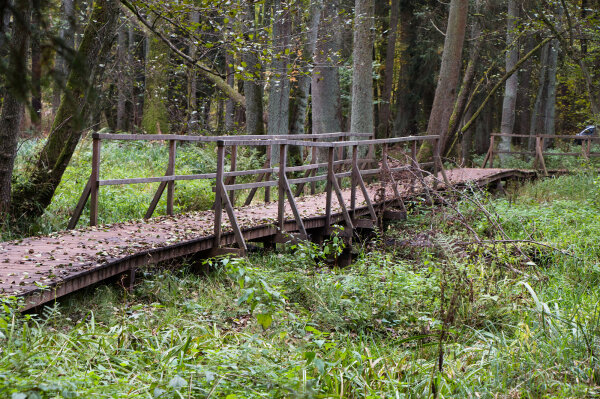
(80, 205)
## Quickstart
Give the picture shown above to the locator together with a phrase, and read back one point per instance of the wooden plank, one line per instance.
(94, 188)
(245, 186)
(222, 251)
(361, 184)
(303, 180)
(80, 205)
(157, 179)
(338, 193)
(328, 188)
(231, 179)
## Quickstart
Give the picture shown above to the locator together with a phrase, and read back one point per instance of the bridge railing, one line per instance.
(538, 152)
(332, 172)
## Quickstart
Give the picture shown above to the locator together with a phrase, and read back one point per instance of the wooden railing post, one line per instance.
(281, 187)
(218, 195)
(268, 175)
(540, 154)
(490, 153)
(354, 180)
(233, 168)
(313, 160)
(329, 187)
(96, 145)
(171, 172)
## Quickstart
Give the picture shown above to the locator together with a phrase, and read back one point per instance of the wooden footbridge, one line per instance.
(362, 186)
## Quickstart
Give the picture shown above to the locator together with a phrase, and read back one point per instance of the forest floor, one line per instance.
(484, 297)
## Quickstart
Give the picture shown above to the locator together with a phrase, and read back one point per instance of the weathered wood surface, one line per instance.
(78, 258)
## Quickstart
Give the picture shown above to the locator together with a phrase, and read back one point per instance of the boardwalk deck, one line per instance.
(42, 269)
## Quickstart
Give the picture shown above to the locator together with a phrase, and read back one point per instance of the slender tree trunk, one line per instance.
(253, 90)
(157, 82)
(362, 69)
(525, 95)
(388, 78)
(193, 79)
(14, 100)
(308, 49)
(31, 199)
(325, 83)
(122, 78)
(467, 83)
(36, 65)
(512, 83)
(445, 93)
(538, 105)
(279, 82)
(229, 104)
(62, 63)
(550, 109)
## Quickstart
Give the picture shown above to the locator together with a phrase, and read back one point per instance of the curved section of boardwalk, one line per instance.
(44, 268)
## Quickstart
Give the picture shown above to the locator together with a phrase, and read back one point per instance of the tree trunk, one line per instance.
(63, 57)
(14, 100)
(388, 78)
(361, 115)
(550, 109)
(31, 199)
(253, 90)
(122, 79)
(308, 50)
(467, 83)
(279, 82)
(229, 104)
(538, 105)
(193, 79)
(36, 65)
(157, 82)
(445, 92)
(325, 83)
(525, 95)
(512, 83)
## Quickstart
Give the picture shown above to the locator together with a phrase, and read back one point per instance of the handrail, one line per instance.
(225, 186)
(539, 161)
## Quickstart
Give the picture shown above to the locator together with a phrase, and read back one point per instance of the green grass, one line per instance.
(510, 320)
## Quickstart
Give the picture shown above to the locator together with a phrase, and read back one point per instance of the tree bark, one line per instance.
(229, 104)
(253, 90)
(388, 78)
(539, 100)
(445, 92)
(467, 83)
(550, 108)
(512, 83)
(325, 81)
(122, 79)
(63, 55)
(36, 65)
(193, 78)
(361, 115)
(14, 100)
(279, 82)
(157, 81)
(308, 50)
(31, 199)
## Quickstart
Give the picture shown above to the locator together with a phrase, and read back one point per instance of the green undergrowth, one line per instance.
(484, 297)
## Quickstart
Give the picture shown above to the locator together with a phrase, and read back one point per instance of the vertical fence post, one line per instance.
(328, 188)
(354, 180)
(280, 186)
(491, 152)
(233, 168)
(96, 145)
(313, 160)
(436, 159)
(218, 199)
(171, 172)
(268, 175)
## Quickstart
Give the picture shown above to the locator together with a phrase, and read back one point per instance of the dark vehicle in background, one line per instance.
(588, 131)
